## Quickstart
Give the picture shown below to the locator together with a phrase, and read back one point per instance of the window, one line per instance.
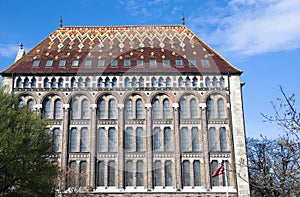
(56, 139)
(167, 140)
(36, 63)
(139, 109)
(128, 109)
(226, 166)
(30, 105)
(53, 83)
(114, 63)
(19, 83)
(100, 83)
(166, 109)
(184, 139)
(168, 173)
(60, 83)
(205, 62)
(166, 62)
(26, 83)
(197, 173)
(210, 108)
(101, 109)
(72, 177)
(139, 139)
(212, 142)
(75, 63)
(111, 109)
(127, 63)
(153, 82)
(73, 82)
(157, 173)
(114, 82)
(47, 108)
(107, 82)
(73, 140)
(193, 108)
(183, 109)
(111, 173)
(82, 180)
(128, 173)
(129, 140)
(186, 173)
(215, 82)
(33, 83)
(75, 109)
(192, 62)
(100, 179)
(156, 139)
(180, 82)
(46, 83)
(222, 82)
(221, 112)
(84, 140)
(214, 167)
(87, 83)
(140, 62)
(84, 109)
(195, 139)
(62, 63)
(88, 63)
(20, 104)
(140, 173)
(80, 83)
(168, 82)
(153, 63)
(179, 63)
(141, 82)
(101, 63)
(57, 109)
(49, 63)
(156, 109)
(187, 82)
(112, 140)
(133, 82)
(207, 82)
(126, 82)
(195, 82)
(223, 141)
(101, 140)
(160, 82)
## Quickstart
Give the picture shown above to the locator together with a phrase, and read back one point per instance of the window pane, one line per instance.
(75, 63)
(139, 109)
(139, 139)
(111, 173)
(57, 109)
(186, 173)
(166, 62)
(73, 83)
(214, 180)
(129, 140)
(153, 82)
(168, 173)
(111, 140)
(101, 108)
(84, 109)
(168, 82)
(226, 165)
(101, 63)
(126, 82)
(87, 83)
(133, 82)
(192, 62)
(197, 174)
(33, 83)
(62, 63)
(19, 83)
(127, 63)
(210, 108)
(114, 63)
(111, 109)
(100, 178)
(100, 83)
(49, 63)
(56, 139)
(140, 173)
(221, 112)
(128, 109)
(128, 173)
(73, 140)
(82, 174)
(215, 82)
(207, 82)
(84, 140)
(157, 173)
(156, 109)
(88, 63)
(53, 83)
(107, 82)
(167, 139)
(153, 63)
(60, 83)
(184, 140)
(205, 62)
(193, 108)
(101, 140)
(195, 139)
(179, 63)
(141, 82)
(75, 109)
(36, 63)
(183, 107)
(180, 82)
(166, 109)
(223, 141)
(30, 105)
(46, 83)
(195, 82)
(114, 83)
(212, 139)
(47, 109)
(140, 62)
(156, 139)
(160, 82)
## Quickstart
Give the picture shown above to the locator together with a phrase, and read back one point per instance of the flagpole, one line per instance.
(226, 183)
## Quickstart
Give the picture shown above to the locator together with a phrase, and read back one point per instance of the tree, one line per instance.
(274, 165)
(25, 149)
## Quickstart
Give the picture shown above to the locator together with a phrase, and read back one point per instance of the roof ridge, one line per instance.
(114, 26)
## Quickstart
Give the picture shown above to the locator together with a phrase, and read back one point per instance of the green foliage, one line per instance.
(25, 149)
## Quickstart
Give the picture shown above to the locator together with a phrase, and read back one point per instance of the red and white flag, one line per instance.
(218, 171)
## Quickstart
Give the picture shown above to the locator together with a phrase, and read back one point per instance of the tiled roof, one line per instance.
(127, 45)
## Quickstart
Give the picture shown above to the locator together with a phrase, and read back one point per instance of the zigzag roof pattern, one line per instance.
(135, 49)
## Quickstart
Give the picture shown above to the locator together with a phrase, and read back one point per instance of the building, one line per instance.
(137, 110)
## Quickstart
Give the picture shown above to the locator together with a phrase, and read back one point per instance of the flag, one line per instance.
(218, 171)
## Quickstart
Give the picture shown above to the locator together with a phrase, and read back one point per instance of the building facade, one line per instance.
(137, 110)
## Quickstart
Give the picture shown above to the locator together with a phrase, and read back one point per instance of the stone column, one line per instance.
(176, 135)
(121, 156)
(205, 167)
(149, 153)
(64, 138)
(93, 146)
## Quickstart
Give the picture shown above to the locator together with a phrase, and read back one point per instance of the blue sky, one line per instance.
(260, 37)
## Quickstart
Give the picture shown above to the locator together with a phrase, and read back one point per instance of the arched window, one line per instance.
(167, 139)
(197, 173)
(139, 139)
(168, 173)
(140, 173)
(129, 140)
(80, 83)
(107, 82)
(84, 140)
(212, 139)
(139, 109)
(168, 82)
(30, 104)
(111, 109)
(186, 173)
(210, 108)
(141, 82)
(46, 83)
(184, 139)
(133, 82)
(157, 173)
(222, 82)
(21, 104)
(84, 109)
(187, 82)
(75, 109)
(56, 139)
(26, 83)
(160, 82)
(214, 167)
(57, 109)
(166, 109)
(19, 83)
(156, 139)
(101, 109)
(156, 109)
(53, 83)
(207, 82)
(33, 83)
(193, 108)
(101, 140)
(100, 83)
(73, 140)
(87, 83)
(47, 108)
(82, 170)
(112, 140)
(215, 82)
(114, 82)
(180, 82)
(195, 139)
(183, 109)
(195, 82)
(221, 111)
(153, 82)
(111, 173)
(60, 83)
(223, 141)
(128, 173)
(100, 177)
(128, 109)
(127, 83)
(73, 82)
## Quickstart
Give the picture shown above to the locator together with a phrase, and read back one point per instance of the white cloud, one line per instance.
(251, 26)
(8, 50)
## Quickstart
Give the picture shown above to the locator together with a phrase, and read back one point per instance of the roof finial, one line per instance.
(60, 22)
(182, 19)
(21, 45)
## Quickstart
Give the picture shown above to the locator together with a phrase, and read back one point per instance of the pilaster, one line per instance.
(149, 154)
(93, 144)
(176, 137)
(121, 155)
